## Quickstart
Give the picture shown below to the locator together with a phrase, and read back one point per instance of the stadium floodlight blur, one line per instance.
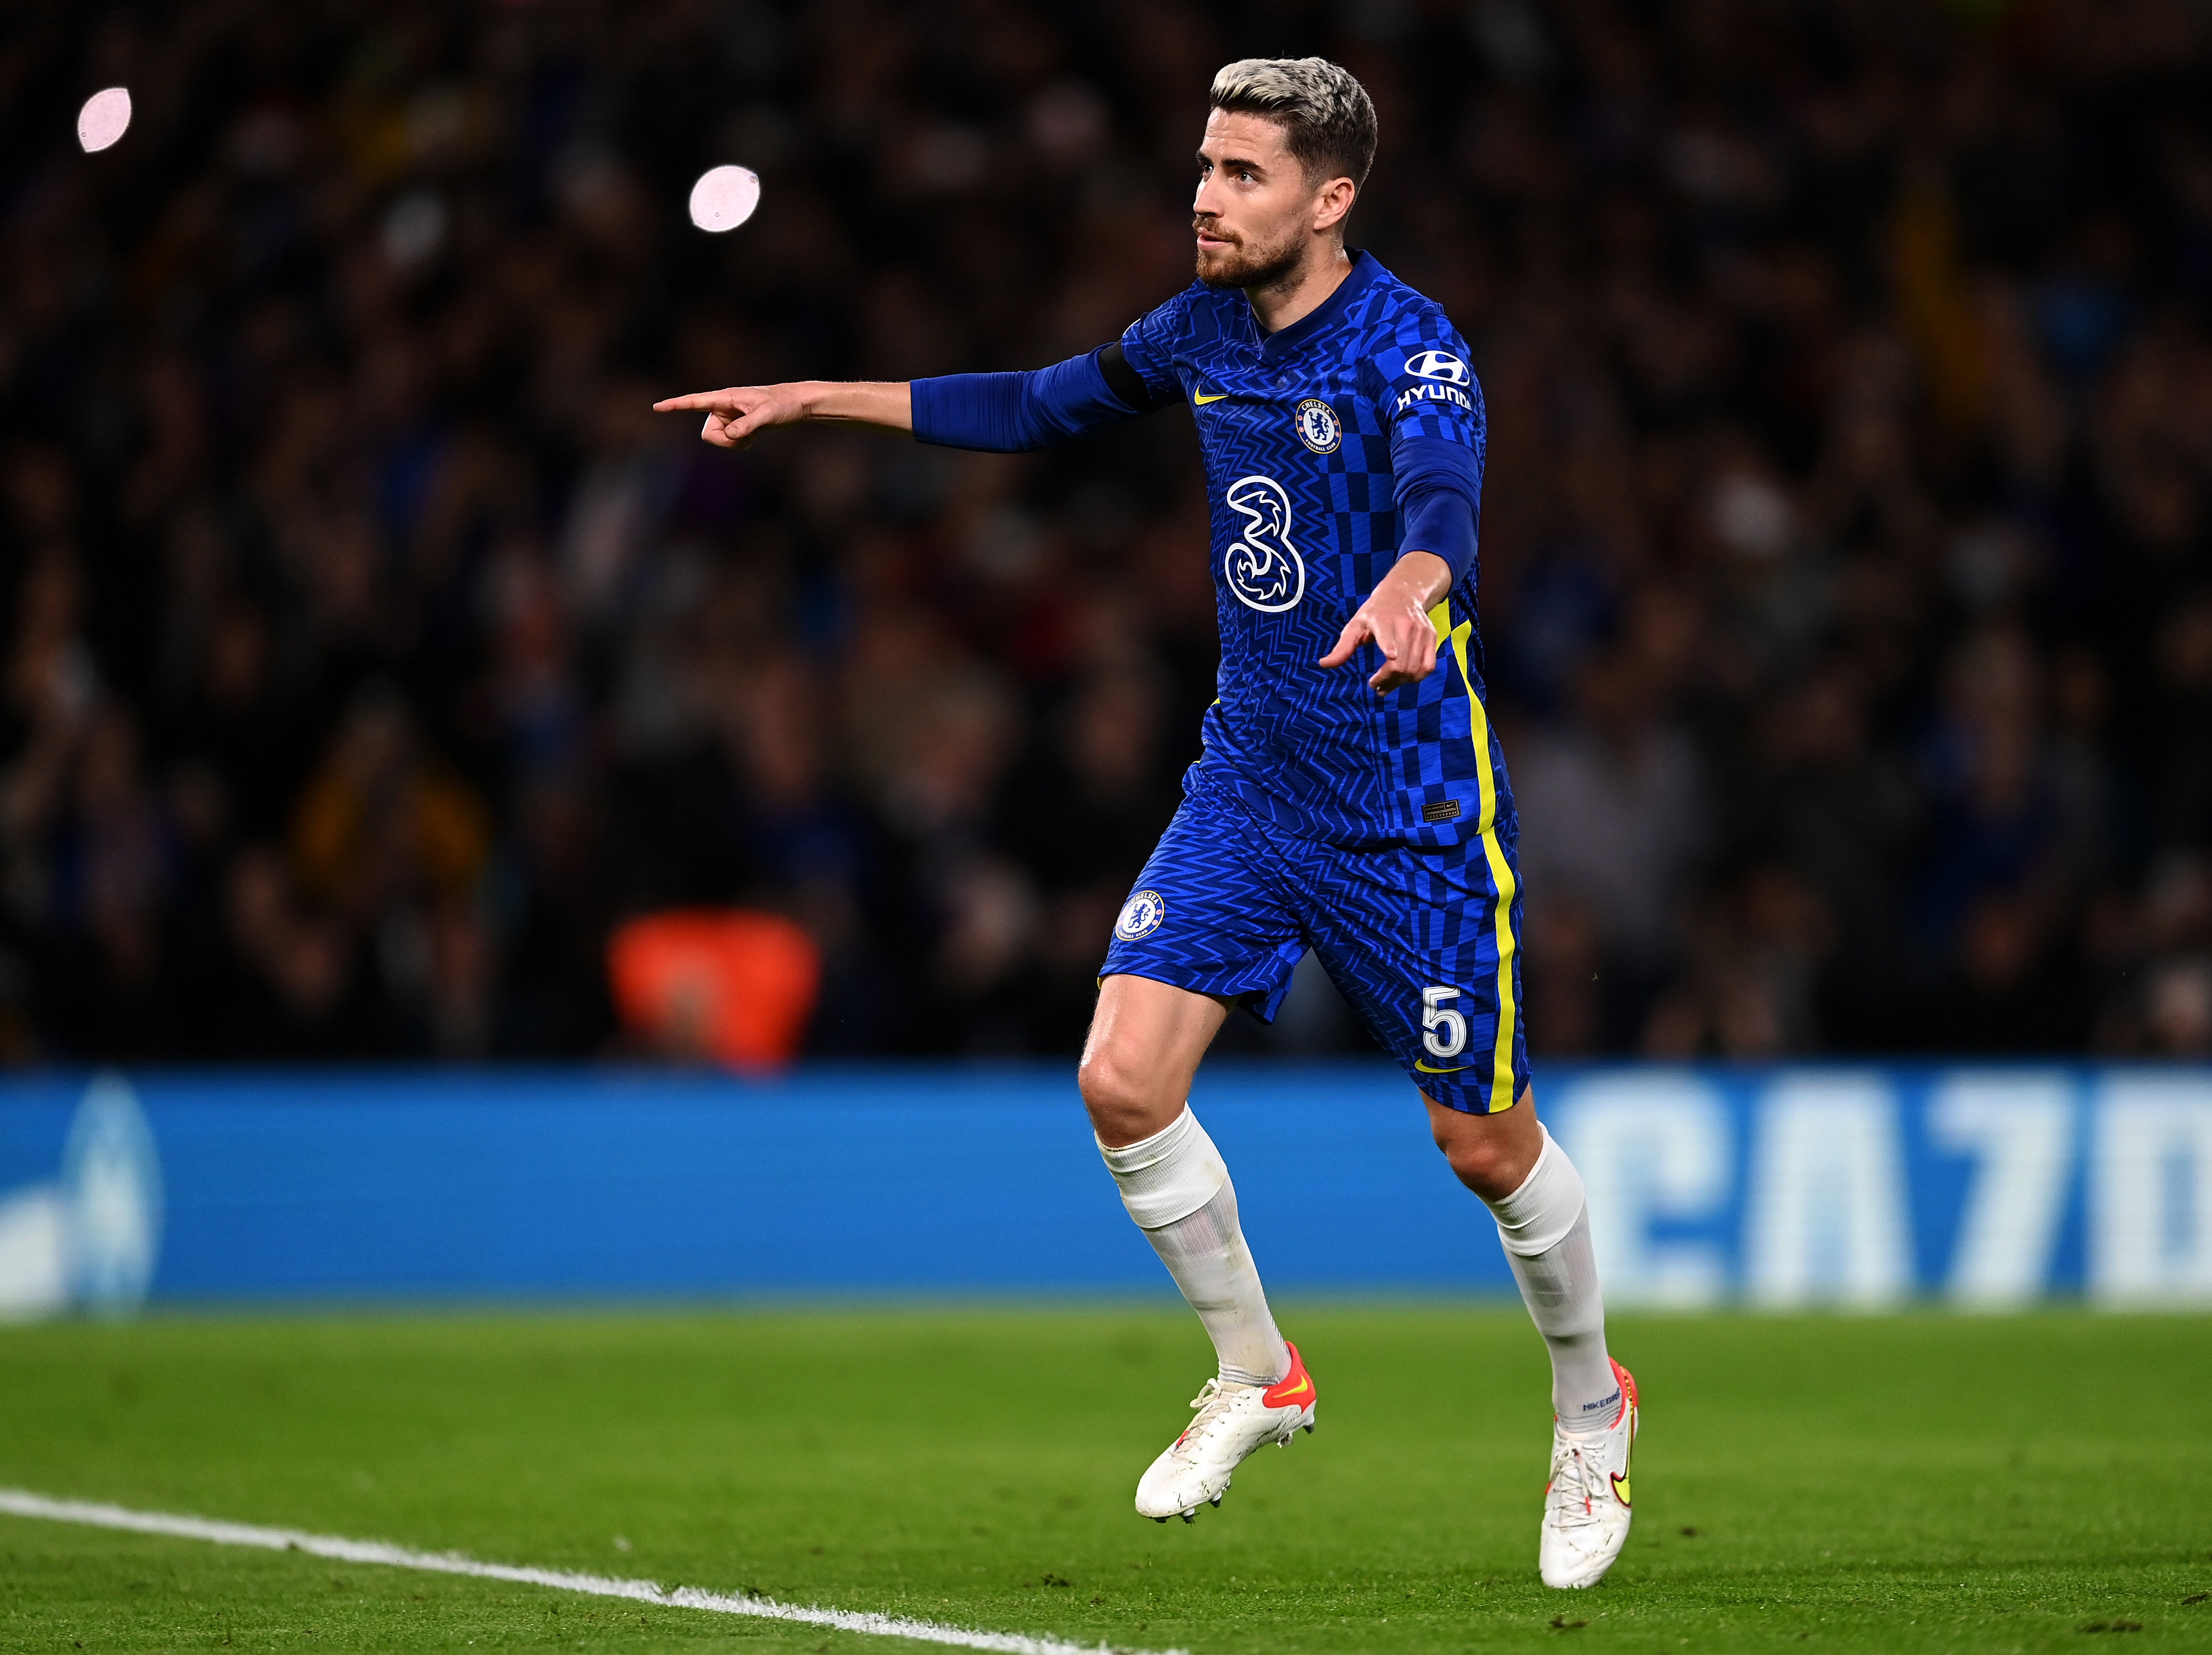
(368, 660)
(724, 197)
(105, 118)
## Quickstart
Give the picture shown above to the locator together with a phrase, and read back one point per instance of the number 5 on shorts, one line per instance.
(1444, 1031)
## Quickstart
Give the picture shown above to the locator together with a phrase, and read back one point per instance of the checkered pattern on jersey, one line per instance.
(1237, 901)
(1302, 532)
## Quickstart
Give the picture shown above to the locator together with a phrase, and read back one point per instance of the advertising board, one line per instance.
(1782, 1188)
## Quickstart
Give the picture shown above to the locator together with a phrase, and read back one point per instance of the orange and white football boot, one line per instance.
(1232, 1420)
(1586, 1510)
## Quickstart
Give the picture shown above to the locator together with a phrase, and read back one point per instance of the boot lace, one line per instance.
(1214, 1402)
(1577, 1483)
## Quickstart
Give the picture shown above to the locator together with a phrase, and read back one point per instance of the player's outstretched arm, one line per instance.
(737, 416)
(1395, 619)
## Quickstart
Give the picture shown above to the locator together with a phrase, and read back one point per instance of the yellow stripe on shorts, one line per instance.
(1501, 873)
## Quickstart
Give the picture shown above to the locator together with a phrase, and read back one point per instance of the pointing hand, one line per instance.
(737, 416)
(1395, 619)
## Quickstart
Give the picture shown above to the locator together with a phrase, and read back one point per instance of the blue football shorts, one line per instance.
(1414, 937)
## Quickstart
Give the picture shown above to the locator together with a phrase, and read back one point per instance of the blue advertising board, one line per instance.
(1784, 1186)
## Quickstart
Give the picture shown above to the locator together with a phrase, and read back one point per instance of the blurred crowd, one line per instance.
(371, 649)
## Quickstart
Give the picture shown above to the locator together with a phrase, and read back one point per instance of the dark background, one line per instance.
(370, 649)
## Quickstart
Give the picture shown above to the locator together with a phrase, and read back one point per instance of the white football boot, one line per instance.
(1586, 1510)
(1232, 1420)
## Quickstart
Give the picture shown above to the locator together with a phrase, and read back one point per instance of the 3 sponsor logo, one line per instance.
(1317, 426)
(1262, 568)
(1140, 915)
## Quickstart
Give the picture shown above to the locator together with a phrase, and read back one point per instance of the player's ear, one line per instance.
(1332, 202)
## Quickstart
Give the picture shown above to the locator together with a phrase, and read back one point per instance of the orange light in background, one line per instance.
(725, 984)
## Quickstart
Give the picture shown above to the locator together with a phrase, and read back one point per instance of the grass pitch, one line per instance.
(1883, 1484)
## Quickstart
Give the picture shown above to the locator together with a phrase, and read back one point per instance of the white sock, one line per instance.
(1177, 1187)
(1545, 1228)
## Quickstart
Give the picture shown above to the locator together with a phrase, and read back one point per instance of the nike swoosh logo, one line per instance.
(1202, 398)
(1293, 1389)
(1426, 1069)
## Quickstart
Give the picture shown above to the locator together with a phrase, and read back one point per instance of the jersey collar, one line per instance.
(1273, 347)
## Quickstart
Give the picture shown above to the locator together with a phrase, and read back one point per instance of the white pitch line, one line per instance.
(16, 1502)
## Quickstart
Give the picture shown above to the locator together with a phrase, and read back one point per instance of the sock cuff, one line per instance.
(1169, 1175)
(1536, 1217)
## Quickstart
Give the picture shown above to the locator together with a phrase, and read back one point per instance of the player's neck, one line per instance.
(1299, 292)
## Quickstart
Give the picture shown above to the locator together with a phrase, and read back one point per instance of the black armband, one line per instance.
(1124, 381)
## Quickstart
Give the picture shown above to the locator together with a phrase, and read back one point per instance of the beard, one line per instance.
(1240, 264)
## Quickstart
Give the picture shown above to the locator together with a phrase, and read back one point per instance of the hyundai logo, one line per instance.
(1438, 365)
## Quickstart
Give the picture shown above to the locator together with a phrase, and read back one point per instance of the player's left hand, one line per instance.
(1395, 620)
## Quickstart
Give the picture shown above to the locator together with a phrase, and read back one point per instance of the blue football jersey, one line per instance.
(1308, 435)
(1320, 442)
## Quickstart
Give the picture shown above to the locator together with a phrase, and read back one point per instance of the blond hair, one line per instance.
(1326, 117)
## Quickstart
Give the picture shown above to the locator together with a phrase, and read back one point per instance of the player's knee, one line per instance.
(1479, 1160)
(1121, 1107)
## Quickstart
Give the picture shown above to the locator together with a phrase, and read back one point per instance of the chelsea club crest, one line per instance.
(1140, 916)
(1317, 426)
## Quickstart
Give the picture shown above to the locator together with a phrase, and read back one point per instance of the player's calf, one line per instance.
(1176, 1187)
(1543, 1224)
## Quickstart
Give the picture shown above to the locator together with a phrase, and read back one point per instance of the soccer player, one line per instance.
(1352, 798)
